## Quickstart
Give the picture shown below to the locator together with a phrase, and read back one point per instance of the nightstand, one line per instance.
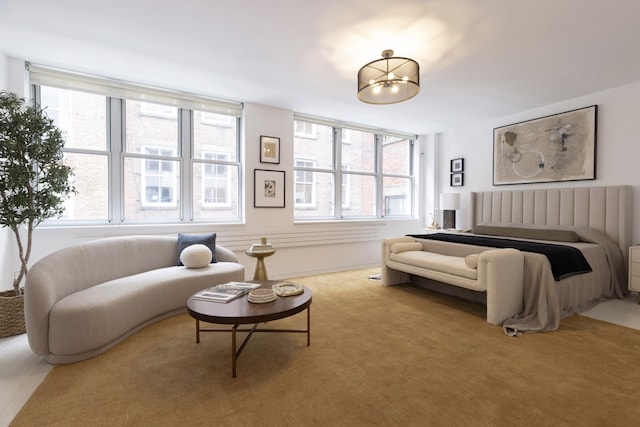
(634, 268)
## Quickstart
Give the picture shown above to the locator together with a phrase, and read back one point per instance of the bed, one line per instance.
(600, 217)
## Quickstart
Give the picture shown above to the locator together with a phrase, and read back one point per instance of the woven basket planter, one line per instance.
(11, 314)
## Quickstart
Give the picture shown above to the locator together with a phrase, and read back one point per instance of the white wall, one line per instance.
(302, 249)
(4, 72)
(617, 148)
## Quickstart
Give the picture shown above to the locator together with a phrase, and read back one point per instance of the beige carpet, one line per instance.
(396, 356)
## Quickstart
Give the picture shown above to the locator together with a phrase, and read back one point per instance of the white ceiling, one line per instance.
(479, 59)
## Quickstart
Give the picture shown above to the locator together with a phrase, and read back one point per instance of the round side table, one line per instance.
(261, 271)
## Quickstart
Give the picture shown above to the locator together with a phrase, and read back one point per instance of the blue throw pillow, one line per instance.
(209, 240)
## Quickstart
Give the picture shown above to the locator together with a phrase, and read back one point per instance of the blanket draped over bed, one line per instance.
(542, 306)
(565, 261)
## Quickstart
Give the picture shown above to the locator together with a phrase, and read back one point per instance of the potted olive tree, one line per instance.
(34, 183)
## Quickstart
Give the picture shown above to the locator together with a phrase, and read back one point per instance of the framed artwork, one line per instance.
(268, 188)
(269, 149)
(457, 165)
(561, 147)
(457, 179)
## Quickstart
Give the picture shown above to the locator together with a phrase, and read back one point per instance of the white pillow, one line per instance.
(196, 256)
(472, 260)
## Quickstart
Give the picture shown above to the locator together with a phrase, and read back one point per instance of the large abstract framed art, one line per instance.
(561, 147)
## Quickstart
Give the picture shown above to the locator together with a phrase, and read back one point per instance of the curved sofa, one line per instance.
(82, 300)
(497, 272)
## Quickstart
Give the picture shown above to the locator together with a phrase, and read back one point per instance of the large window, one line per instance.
(375, 178)
(141, 155)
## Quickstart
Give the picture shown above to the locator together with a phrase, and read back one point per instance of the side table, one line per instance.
(261, 271)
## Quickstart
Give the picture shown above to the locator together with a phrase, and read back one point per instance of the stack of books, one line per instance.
(225, 292)
(258, 247)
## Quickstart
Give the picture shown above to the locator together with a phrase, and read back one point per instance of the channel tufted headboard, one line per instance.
(608, 209)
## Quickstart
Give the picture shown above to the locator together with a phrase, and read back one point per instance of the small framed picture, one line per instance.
(457, 165)
(268, 189)
(269, 149)
(457, 179)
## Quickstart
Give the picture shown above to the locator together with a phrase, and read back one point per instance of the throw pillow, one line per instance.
(196, 256)
(472, 260)
(209, 240)
(527, 232)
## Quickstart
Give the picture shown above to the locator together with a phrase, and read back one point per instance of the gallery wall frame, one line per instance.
(269, 149)
(457, 165)
(456, 179)
(559, 147)
(268, 188)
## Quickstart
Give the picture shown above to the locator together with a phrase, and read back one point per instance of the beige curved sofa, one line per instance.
(82, 300)
(498, 272)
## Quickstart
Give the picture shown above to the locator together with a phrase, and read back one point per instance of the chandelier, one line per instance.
(388, 80)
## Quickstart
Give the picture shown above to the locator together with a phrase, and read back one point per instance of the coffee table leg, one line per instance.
(197, 331)
(308, 326)
(234, 356)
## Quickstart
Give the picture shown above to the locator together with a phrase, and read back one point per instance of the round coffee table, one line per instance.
(242, 312)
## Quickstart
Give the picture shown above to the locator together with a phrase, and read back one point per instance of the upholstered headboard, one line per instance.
(608, 209)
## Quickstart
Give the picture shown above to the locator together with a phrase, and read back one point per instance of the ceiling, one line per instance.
(479, 59)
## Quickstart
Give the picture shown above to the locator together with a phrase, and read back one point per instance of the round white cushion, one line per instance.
(196, 256)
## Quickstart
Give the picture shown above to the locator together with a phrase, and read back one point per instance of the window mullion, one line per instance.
(115, 147)
(337, 171)
(185, 126)
(379, 177)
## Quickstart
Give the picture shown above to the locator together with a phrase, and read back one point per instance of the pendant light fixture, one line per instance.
(388, 80)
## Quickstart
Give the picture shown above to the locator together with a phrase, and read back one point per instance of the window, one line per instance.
(397, 182)
(305, 184)
(159, 178)
(215, 181)
(168, 158)
(375, 178)
(305, 129)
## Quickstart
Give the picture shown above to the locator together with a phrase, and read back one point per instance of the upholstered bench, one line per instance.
(82, 300)
(497, 272)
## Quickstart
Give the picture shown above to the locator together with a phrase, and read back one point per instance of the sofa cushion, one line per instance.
(209, 240)
(89, 319)
(396, 248)
(196, 256)
(437, 262)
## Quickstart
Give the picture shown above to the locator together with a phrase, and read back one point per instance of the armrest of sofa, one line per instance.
(40, 295)
(503, 272)
(388, 275)
(226, 255)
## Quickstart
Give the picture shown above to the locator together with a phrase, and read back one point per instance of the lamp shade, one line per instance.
(388, 80)
(450, 201)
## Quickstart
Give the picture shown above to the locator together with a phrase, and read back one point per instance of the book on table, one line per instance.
(225, 292)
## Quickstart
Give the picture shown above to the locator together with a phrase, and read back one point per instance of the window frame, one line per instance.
(342, 177)
(186, 106)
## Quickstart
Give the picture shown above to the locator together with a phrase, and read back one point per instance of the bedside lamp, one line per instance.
(449, 203)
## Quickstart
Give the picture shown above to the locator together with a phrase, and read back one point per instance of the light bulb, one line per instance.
(391, 76)
(394, 89)
(376, 89)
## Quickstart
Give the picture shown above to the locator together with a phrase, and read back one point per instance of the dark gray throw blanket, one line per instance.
(566, 261)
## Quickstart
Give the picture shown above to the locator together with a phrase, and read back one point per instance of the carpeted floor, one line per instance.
(389, 356)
